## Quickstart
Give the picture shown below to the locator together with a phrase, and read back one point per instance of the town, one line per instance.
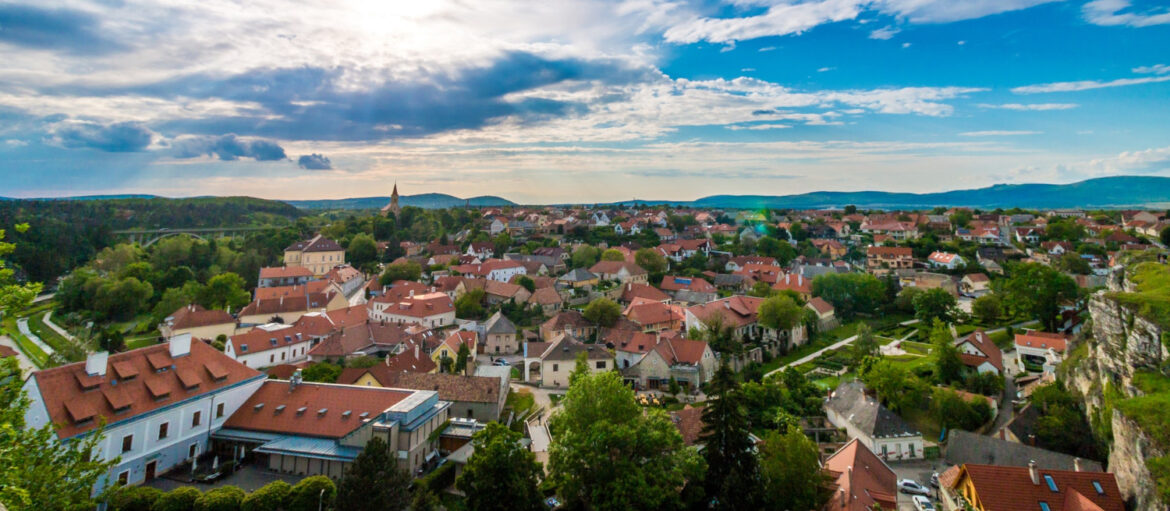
(593, 357)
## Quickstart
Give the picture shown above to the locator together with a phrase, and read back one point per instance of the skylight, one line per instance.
(1097, 486)
(1044, 506)
(1051, 483)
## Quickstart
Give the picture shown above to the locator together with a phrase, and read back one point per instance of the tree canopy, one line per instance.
(501, 475)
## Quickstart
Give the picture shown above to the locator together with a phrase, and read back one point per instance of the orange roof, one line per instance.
(194, 316)
(143, 379)
(284, 272)
(681, 351)
(862, 478)
(1004, 487)
(982, 342)
(737, 311)
(612, 267)
(890, 251)
(654, 313)
(675, 283)
(269, 293)
(421, 306)
(645, 291)
(1042, 340)
(820, 305)
(411, 360)
(689, 422)
(274, 408)
(793, 282)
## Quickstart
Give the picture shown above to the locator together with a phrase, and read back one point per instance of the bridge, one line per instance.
(147, 237)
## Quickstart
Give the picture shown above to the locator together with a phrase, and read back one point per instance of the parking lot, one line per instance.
(920, 472)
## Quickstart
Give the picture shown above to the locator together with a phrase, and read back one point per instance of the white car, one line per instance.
(922, 503)
(912, 487)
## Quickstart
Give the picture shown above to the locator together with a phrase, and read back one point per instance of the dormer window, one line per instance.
(1097, 486)
(1051, 483)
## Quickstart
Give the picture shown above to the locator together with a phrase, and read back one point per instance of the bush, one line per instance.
(178, 499)
(304, 496)
(269, 498)
(439, 479)
(224, 498)
(134, 498)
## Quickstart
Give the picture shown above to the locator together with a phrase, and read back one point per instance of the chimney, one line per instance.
(180, 345)
(95, 363)
(1035, 474)
(296, 379)
(416, 351)
(1032, 440)
(844, 499)
(1077, 465)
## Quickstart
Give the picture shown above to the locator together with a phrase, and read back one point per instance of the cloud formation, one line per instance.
(1086, 85)
(62, 29)
(1039, 107)
(314, 162)
(119, 137)
(1109, 13)
(226, 148)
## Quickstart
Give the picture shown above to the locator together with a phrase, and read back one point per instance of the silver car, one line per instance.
(922, 503)
(912, 487)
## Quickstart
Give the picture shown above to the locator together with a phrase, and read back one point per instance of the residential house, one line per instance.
(826, 314)
(979, 353)
(861, 480)
(578, 278)
(975, 284)
(268, 345)
(483, 250)
(284, 276)
(740, 314)
(738, 262)
(998, 487)
(691, 290)
(654, 316)
(197, 322)
(493, 269)
(500, 336)
(454, 342)
(882, 259)
(831, 248)
(945, 260)
(632, 292)
(548, 299)
(966, 447)
(288, 309)
(567, 322)
(690, 363)
(430, 310)
(347, 278)
(795, 283)
(473, 397)
(864, 418)
(559, 357)
(620, 271)
(1042, 349)
(318, 254)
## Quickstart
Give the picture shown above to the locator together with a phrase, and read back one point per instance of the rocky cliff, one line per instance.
(1120, 344)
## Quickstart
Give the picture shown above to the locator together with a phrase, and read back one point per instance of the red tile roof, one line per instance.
(411, 359)
(689, 422)
(316, 244)
(820, 305)
(635, 290)
(654, 313)
(613, 267)
(274, 292)
(301, 415)
(793, 282)
(863, 478)
(681, 351)
(982, 342)
(890, 251)
(68, 402)
(451, 387)
(737, 311)
(285, 272)
(194, 316)
(1003, 487)
(422, 306)
(675, 283)
(1042, 340)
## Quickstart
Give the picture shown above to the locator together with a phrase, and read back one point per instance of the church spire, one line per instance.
(393, 206)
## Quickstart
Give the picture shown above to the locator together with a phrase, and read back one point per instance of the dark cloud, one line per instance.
(120, 137)
(314, 162)
(56, 29)
(226, 148)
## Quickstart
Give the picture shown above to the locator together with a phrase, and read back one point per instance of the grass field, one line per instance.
(71, 351)
(34, 353)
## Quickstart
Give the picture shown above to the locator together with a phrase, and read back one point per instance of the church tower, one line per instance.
(393, 206)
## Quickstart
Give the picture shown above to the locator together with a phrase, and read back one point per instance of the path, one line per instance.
(22, 324)
(58, 329)
(26, 365)
(1006, 412)
(540, 436)
(813, 355)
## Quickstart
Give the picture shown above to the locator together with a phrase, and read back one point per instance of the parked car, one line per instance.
(912, 487)
(922, 503)
(500, 362)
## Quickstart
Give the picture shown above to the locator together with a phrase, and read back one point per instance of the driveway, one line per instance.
(920, 472)
(1006, 412)
(540, 397)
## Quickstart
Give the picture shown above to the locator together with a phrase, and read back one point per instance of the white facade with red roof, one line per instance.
(431, 310)
(1041, 348)
(945, 260)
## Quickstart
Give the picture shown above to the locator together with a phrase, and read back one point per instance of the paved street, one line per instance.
(920, 472)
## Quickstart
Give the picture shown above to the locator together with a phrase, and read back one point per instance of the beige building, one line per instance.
(500, 336)
(288, 309)
(690, 363)
(318, 254)
(199, 322)
(558, 358)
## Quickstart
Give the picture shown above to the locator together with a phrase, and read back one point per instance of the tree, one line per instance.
(501, 243)
(780, 313)
(650, 260)
(1037, 290)
(425, 500)
(134, 498)
(584, 257)
(613, 254)
(761, 290)
(270, 497)
(953, 411)
(988, 308)
(322, 372)
(312, 493)
(895, 386)
(470, 305)
(225, 290)
(948, 367)
(1165, 236)
(405, 270)
(934, 304)
(362, 250)
(224, 498)
(374, 481)
(728, 446)
(609, 454)
(865, 345)
(1072, 262)
(527, 283)
(461, 359)
(790, 472)
(501, 475)
(603, 312)
(179, 499)
(772, 247)
(850, 293)
(904, 301)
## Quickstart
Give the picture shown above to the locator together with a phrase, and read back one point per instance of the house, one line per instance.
(878, 428)
(861, 480)
(1056, 248)
(975, 284)
(500, 336)
(690, 363)
(268, 345)
(567, 322)
(493, 269)
(474, 397)
(413, 359)
(160, 404)
(655, 316)
(832, 248)
(578, 278)
(1042, 349)
(309, 429)
(688, 289)
(945, 260)
(559, 357)
(689, 422)
(826, 314)
(483, 250)
(629, 345)
(319, 254)
(632, 292)
(1028, 235)
(288, 309)
(979, 353)
(740, 314)
(882, 259)
(548, 299)
(284, 276)
(198, 322)
(430, 310)
(997, 487)
(311, 287)
(496, 292)
(738, 262)
(620, 271)
(795, 283)
(451, 345)
(373, 338)
(966, 447)
(347, 278)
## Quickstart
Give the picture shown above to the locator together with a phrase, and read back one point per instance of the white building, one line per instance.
(268, 345)
(160, 403)
(431, 310)
(881, 430)
(945, 260)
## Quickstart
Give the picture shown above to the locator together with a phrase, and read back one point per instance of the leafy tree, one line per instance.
(650, 260)
(461, 359)
(470, 305)
(850, 293)
(953, 411)
(772, 247)
(603, 312)
(613, 254)
(780, 312)
(225, 290)
(405, 270)
(323, 372)
(374, 481)
(895, 386)
(307, 494)
(1037, 290)
(719, 335)
(610, 454)
(1165, 236)
(224, 498)
(425, 500)
(501, 243)
(112, 340)
(1072, 262)
(501, 475)
(584, 257)
(728, 446)
(179, 499)
(865, 345)
(176, 297)
(934, 304)
(362, 250)
(944, 354)
(988, 384)
(134, 498)
(988, 308)
(904, 301)
(790, 472)
(527, 283)
(761, 290)
(270, 497)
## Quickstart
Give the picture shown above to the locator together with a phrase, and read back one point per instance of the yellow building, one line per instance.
(319, 255)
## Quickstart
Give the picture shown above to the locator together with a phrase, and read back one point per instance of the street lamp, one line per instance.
(320, 498)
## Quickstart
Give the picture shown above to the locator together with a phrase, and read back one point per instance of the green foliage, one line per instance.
(850, 293)
(988, 308)
(405, 270)
(612, 255)
(953, 411)
(603, 312)
(182, 498)
(1164, 236)
(790, 472)
(527, 283)
(134, 498)
(362, 250)
(322, 372)
(904, 302)
(650, 260)
(1063, 426)
(224, 291)
(425, 500)
(374, 480)
(306, 494)
(501, 475)
(470, 305)
(933, 305)
(1151, 296)
(944, 354)
(895, 386)
(608, 454)
(363, 362)
(224, 498)
(584, 257)
(772, 247)
(728, 446)
(780, 312)
(461, 359)
(270, 497)
(865, 345)
(1037, 290)
(1072, 262)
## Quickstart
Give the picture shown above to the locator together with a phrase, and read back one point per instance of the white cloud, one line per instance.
(943, 11)
(767, 48)
(1108, 12)
(961, 43)
(1031, 106)
(885, 32)
(1157, 69)
(905, 45)
(998, 133)
(1086, 85)
(757, 127)
(825, 69)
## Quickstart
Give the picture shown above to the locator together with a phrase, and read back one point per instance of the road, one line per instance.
(56, 328)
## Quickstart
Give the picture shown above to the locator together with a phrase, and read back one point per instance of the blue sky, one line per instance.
(577, 101)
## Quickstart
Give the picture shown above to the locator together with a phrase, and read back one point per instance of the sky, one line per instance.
(577, 100)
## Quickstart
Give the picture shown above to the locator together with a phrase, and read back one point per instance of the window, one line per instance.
(192, 450)
(601, 364)
(1097, 486)
(1044, 506)
(196, 418)
(124, 478)
(219, 411)
(1051, 483)
(163, 430)
(127, 443)
(271, 358)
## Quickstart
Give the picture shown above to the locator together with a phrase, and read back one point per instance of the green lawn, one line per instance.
(521, 401)
(34, 353)
(917, 348)
(141, 342)
(72, 352)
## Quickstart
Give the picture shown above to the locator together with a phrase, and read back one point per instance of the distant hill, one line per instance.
(90, 197)
(425, 200)
(1105, 192)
